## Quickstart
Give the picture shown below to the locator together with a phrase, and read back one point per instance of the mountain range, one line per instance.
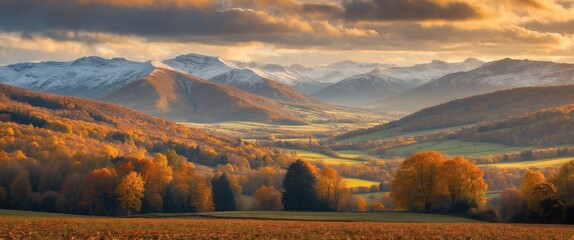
(384, 82)
(201, 88)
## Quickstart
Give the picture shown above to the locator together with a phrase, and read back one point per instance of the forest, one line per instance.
(69, 155)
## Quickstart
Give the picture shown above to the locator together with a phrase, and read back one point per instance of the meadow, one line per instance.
(241, 225)
(540, 163)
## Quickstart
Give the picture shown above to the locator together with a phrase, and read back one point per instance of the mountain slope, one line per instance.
(174, 95)
(493, 76)
(381, 83)
(547, 127)
(482, 108)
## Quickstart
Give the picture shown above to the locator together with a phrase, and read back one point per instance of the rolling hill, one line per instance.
(482, 108)
(498, 75)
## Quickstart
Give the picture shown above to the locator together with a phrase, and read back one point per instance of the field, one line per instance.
(357, 154)
(211, 227)
(314, 157)
(541, 163)
(457, 147)
(355, 182)
(392, 133)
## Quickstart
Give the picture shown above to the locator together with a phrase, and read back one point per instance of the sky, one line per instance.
(402, 32)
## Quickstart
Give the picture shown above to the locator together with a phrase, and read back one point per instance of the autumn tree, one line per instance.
(20, 188)
(130, 192)
(331, 190)
(200, 195)
(414, 186)
(299, 188)
(530, 179)
(543, 201)
(268, 199)
(223, 195)
(361, 204)
(3, 198)
(512, 205)
(463, 183)
(564, 182)
(98, 190)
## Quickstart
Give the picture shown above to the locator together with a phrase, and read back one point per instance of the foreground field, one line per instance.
(116, 228)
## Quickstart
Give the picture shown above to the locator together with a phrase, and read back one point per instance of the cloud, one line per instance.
(408, 10)
(96, 16)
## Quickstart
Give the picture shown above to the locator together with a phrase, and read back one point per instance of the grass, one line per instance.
(393, 133)
(355, 182)
(542, 163)
(356, 154)
(314, 157)
(275, 225)
(458, 148)
(18, 213)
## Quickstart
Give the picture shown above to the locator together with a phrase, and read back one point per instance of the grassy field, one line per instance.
(393, 133)
(334, 226)
(356, 154)
(355, 182)
(458, 148)
(314, 157)
(542, 163)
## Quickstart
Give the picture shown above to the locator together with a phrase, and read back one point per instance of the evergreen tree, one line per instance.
(223, 195)
(299, 188)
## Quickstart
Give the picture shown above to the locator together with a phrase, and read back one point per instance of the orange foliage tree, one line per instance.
(268, 199)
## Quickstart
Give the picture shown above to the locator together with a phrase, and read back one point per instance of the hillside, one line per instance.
(174, 95)
(493, 76)
(77, 150)
(547, 127)
(482, 108)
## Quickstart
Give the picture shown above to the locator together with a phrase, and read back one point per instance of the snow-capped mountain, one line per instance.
(90, 77)
(247, 75)
(497, 75)
(153, 88)
(336, 72)
(383, 82)
(268, 80)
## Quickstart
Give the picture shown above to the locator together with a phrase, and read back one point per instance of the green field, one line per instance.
(355, 182)
(393, 133)
(458, 148)
(356, 154)
(542, 163)
(314, 157)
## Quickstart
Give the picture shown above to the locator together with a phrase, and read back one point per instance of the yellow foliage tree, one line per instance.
(529, 181)
(564, 181)
(462, 182)
(267, 198)
(414, 186)
(361, 204)
(331, 189)
(131, 191)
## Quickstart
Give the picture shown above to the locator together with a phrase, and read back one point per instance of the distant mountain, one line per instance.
(336, 72)
(251, 77)
(380, 83)
(91, 77)
(153, 88)
(492, 76)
